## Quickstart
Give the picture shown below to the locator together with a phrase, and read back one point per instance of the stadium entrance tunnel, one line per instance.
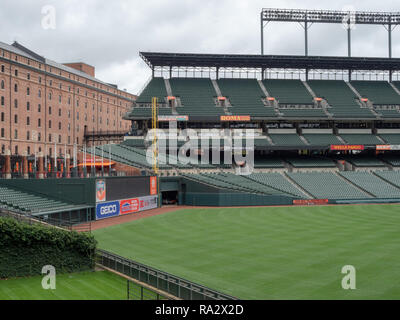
(169, 197)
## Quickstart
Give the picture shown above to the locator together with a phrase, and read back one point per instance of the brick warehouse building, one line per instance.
(43, 102)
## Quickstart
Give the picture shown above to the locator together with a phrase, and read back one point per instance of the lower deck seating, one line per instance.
(327, 185)
(373, 184)
(392, 177)
(278, 181)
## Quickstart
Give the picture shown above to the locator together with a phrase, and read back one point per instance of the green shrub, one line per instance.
(25, 249)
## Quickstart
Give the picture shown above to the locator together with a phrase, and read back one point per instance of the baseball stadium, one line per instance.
(241, 177)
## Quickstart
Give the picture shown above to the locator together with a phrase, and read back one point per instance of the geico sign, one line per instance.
(108, 209)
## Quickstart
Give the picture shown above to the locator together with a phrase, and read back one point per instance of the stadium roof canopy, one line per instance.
(159, 59)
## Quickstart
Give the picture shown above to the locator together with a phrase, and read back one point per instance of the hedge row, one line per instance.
(25, 249)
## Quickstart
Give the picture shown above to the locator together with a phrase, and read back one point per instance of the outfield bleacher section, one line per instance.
(372, 184)
(245, 96)
(197, 96)
(293, 98)
(385, 100)
(327, 185)
(21, 201)
(341, 99)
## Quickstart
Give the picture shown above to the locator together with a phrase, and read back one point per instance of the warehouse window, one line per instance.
(2, 101)
(2, 84)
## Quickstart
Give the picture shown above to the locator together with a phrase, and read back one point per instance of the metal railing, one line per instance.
(27, 218)
(173, 285)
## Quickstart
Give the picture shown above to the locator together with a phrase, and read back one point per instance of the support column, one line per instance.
(306, 37)
(25, 165)
(8, 164)
(40, 166)
(390, 39)
(262, 33)
(349, 39)
(67, 166)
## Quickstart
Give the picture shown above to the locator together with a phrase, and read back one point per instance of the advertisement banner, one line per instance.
(129, 206)
(100, 190)
(344, 147)
(153, 185)
(305, 202)
(107, 210)
(148, 202)
(234, 118)
(388, 147)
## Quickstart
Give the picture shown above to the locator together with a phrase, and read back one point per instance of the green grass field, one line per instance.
(100, 285)
(272, 252)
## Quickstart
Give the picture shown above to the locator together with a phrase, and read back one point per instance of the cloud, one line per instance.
(110, 34)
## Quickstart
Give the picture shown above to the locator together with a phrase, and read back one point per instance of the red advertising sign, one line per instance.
(344, 147)
(307, 202)
(153, 185)
(129, 206)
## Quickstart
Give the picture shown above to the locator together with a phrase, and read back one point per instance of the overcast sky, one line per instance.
(109, 34)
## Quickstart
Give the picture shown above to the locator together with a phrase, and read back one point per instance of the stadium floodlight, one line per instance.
(306, 18)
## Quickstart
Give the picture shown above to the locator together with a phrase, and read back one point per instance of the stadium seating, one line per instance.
(327, 185)
(13, 199)
(380, 93)
(392, 177)
(360, 139)
(390, 138)
(392, 160)
(245, 96)
(371, 183)
(293, 93)
(267, 163)
(155, 88)
(340, 97)
(197, 96)
(311, 162)
(282, 139)
(323, 139)
(365, 161)
(278, 181)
